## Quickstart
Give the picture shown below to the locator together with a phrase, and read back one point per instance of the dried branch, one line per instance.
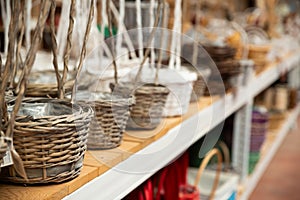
(54, 47)
(19, 45)
(83, 50)
(68, 48)
(37, 37)
(164, 17)
(8, 63)
(109, 19)
(157, 18)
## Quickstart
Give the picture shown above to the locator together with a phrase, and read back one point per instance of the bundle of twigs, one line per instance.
(62, 124)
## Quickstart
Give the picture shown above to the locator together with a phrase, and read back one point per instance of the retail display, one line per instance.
(96, 91)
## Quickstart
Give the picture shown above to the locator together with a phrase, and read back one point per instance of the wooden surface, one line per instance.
(98, 162)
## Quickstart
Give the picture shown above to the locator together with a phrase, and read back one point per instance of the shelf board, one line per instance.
(263, 163)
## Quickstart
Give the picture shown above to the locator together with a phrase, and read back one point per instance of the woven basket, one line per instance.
(258, 53)
(199, 83)
(150, 100)
(43, 84)
(109, 123)
(50, 136)
(179, 99)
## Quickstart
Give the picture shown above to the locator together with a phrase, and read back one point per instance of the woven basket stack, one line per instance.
(258, 53)
(227, 66)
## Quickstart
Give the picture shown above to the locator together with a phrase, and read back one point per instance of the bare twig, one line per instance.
(17, 62)
(157, 18)
(54, 47)
(83, 50)
(109, 18)
(8, 63)
(37, 37)
(68, 48)
(164, 13)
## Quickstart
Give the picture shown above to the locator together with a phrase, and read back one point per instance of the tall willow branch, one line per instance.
(18, 60)
(8, 64)
(54, 47)
(147, 52)
(83, 50)
(68, 48)
(37, 37)
(108, 11)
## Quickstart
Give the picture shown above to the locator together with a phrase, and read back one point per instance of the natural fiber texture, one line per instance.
(51, 147)
(148, 109)
(108, 126)
(198, 88)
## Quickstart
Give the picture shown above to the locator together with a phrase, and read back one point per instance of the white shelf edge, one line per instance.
(115, 184)
(262, 165)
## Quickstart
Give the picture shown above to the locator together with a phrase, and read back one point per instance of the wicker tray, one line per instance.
(148, 109)
(50, 136)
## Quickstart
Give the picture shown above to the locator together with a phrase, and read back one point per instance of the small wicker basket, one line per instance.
(109, 123)
(43, 84)
(150, 102)
(50, 137)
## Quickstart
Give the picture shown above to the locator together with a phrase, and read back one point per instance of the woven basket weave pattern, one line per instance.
(107, 128)
(51, 147)
(150, 100)
(45, 90)
(198, 89)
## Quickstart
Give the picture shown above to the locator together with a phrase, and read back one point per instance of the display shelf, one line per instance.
(115, 173)
(129, 173)
(261, 166)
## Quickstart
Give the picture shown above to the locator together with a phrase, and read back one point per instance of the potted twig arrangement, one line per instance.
(111, 111)
(150, 98)
(49, 135)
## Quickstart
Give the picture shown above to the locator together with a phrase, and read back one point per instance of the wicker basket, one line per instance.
(50, 136)
(150, 99)
(109, 123)
(258, 53)
(43, 84)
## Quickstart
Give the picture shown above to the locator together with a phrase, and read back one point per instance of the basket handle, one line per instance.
(226, 154)
(203, 165)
